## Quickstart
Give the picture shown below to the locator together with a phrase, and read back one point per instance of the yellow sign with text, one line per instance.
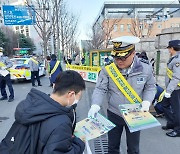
(83, 68)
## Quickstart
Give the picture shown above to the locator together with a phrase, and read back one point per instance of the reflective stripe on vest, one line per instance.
(36, 62)
(161, 96)
(122, 84)
(55, 67)
(170, 74)
(2, 64)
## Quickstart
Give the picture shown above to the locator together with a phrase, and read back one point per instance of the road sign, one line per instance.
(18, 15)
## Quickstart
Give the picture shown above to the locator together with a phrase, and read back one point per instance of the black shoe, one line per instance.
(3, 98)
(34, 85)
(167, 127)
(39, 84)
(173, 134)
(10, 99)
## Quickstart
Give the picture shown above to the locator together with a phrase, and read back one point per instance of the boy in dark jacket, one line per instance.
(55, 114)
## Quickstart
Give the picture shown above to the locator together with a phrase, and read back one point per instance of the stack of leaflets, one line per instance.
(89, 128)
(137, 120)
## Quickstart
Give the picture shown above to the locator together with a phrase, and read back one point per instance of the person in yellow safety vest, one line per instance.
(172, 93)
(34, 67)
(55, 68)
(5, 78)
(135, 73)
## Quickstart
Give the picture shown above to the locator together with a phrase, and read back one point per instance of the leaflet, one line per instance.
(4, 72)
(137, 120)
(88, 128)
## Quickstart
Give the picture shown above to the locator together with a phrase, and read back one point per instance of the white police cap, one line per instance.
(123, 45)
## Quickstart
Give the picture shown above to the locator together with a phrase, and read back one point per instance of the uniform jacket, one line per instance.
(6, 61)
(58, 70)
(140, 78)
(33, 66)
(174, 65)
(57, 123)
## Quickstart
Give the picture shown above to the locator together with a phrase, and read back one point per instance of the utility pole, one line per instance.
(57, 29)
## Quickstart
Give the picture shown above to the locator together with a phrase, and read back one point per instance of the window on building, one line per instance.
(121, 28)
(27, 34)
(159, 26)
(129, 27)
(17, 27)
(178, 25)
(115, 28)
(22, 31)
(141, 26)
(150, 26)
(1, 21)
(22, 27)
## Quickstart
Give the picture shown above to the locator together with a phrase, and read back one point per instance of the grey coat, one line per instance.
(6, 61)
(174, 66)
(140, 78)
(33, 66)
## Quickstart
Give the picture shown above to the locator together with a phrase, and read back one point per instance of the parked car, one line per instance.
(21, 69)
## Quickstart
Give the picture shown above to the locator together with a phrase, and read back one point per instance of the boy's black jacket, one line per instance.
(56, 124)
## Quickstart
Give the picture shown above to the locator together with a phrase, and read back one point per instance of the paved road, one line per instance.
(153, 141)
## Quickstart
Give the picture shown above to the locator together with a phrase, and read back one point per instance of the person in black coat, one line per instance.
(56, 115)
(55, 68)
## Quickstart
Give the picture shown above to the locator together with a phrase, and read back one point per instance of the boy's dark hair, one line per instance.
(68, 80)
(53, 57)
(48, 57)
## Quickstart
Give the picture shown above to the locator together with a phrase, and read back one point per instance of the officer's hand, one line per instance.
(167, 95)
(145, 106)
(93, 111)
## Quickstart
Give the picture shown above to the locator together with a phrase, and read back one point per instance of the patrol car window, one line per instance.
(18, 61)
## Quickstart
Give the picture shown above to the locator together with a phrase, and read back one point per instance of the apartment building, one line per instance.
(142, 19)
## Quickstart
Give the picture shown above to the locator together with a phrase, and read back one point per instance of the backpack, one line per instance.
(21, 139)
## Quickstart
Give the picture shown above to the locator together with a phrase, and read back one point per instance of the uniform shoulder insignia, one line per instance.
(177, 64)
(144, 61)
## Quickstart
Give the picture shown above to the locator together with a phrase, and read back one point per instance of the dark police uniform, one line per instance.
(172, 88)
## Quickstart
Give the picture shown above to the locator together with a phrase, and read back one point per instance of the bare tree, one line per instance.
(68, 28)
(140, 28)
(102, 33)
(44, 19)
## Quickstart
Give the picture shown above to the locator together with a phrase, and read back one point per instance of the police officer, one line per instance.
(34, 67)
(139, 75)
(172, 94)
(5, 78)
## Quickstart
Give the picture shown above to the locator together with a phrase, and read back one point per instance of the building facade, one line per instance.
(144, 20)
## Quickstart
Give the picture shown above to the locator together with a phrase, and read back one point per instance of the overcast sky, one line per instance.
(88, 11)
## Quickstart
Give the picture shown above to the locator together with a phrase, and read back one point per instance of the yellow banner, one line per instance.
(122, 84)
(83, 68)
(170, 74)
